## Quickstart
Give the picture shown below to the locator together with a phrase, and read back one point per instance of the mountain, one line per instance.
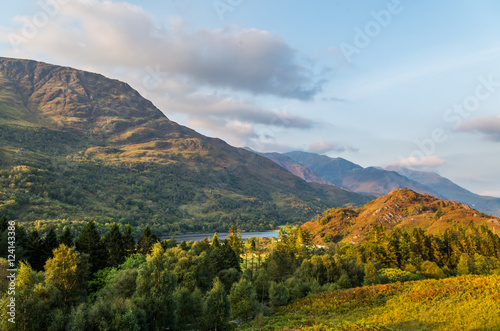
(353, 177)
(332, 169)
(451, 191)
(295, 168)
(75, 144)
(402, 208)
(378, 181)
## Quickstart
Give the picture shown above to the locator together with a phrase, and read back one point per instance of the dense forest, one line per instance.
(114, 281)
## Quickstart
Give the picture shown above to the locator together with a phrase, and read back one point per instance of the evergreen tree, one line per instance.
(216, 308)
(115, 246)
(4, 224)
(128, 241)
(66, 237)
(230, 257)
(36, 250)
(236, 242)
(50, 243)
(146, 242)
(215, 241)
(89, 242)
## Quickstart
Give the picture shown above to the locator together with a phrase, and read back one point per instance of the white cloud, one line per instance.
(487, 125)
(203, 73)
(120, 34)
(430, 161)
(322, 147)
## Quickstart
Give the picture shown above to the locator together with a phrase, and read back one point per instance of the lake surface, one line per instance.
(222, 235)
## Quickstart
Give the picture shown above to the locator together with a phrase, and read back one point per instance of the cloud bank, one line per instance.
(204, 73)
(489, 126)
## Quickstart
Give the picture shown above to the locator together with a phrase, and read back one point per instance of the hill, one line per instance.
(377, 181)
(351, 176)
(459, 303)
(75, 144)
(451, 191)
(295, 168)
(401, 208)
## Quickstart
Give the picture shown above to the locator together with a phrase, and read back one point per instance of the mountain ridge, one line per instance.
(401, 208)
(76, 144)
(378, 181)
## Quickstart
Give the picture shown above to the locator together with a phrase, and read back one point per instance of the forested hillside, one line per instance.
(94, 280)
(74, 144)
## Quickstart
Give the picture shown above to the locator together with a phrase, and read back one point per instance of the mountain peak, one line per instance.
(75, 144)
(401, 208)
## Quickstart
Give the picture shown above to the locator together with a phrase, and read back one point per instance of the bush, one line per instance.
(431, 270)
(393, 275)
(279, 295)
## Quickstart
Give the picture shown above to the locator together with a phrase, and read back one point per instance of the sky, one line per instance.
(379, 83)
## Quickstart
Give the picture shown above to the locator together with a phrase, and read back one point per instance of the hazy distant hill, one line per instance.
(295, 168)
(401, 208)
(75, 144)
(446, 188)
(378, 181)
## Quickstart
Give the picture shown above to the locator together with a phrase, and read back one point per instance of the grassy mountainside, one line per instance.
(459, 303)
(74, 144)
(401, 208)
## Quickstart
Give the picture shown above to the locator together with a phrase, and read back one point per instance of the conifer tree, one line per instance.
(36, 250)
(4, 224)
(115, 246)
(146, 242)
(89, 242)
(66, 237)
(50, 243)
(215, 241)
(128, 241)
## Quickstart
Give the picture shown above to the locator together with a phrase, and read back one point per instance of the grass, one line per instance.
(460, 303)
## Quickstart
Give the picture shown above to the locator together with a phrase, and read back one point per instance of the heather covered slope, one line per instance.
(402, 208)
(459, 303)
(75, 144)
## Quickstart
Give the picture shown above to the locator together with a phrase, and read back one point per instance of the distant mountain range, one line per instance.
(401, 208)
(75, 144)
(377, 181)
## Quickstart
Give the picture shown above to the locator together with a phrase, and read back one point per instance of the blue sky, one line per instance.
(415, 83)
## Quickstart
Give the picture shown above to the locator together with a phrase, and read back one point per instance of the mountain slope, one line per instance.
(295, 168)
(446, 188)
(353, 177)
(74, 144)
(377, 181)
(401, 208)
